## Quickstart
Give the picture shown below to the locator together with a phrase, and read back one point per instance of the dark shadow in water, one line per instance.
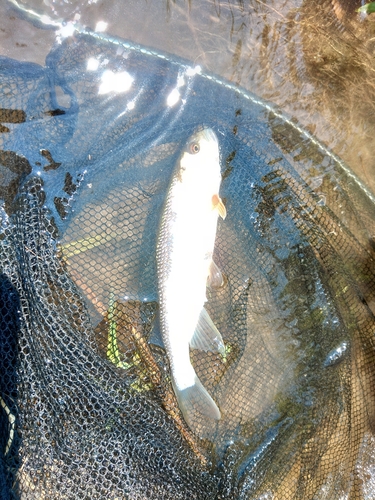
(9, 440)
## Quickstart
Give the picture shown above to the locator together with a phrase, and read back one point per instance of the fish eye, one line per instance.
(194, 148)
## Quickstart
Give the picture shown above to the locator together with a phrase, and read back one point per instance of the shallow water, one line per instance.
(296, 310)
(310, 59)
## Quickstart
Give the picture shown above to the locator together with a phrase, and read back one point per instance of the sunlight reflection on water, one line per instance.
(281, 51)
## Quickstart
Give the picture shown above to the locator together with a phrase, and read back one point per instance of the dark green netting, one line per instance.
(87, 409)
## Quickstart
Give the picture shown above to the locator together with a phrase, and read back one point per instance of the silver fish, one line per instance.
(184, 262)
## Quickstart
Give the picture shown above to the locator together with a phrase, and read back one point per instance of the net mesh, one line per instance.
(86, 404)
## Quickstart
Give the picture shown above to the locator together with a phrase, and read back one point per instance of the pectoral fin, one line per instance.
(217, 204)
(206, 336)
(196, 399)
(215, 278)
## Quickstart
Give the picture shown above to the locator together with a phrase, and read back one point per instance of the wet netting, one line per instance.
(87, 410)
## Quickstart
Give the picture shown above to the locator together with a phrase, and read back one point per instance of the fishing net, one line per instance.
(88, 147)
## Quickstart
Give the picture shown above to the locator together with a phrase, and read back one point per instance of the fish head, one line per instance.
(201, 153)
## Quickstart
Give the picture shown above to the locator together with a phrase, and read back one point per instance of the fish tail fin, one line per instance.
(195, 399)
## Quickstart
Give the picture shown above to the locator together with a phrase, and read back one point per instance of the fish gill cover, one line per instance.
(88, 147)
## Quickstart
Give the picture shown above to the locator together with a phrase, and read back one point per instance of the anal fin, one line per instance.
(206, 336)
